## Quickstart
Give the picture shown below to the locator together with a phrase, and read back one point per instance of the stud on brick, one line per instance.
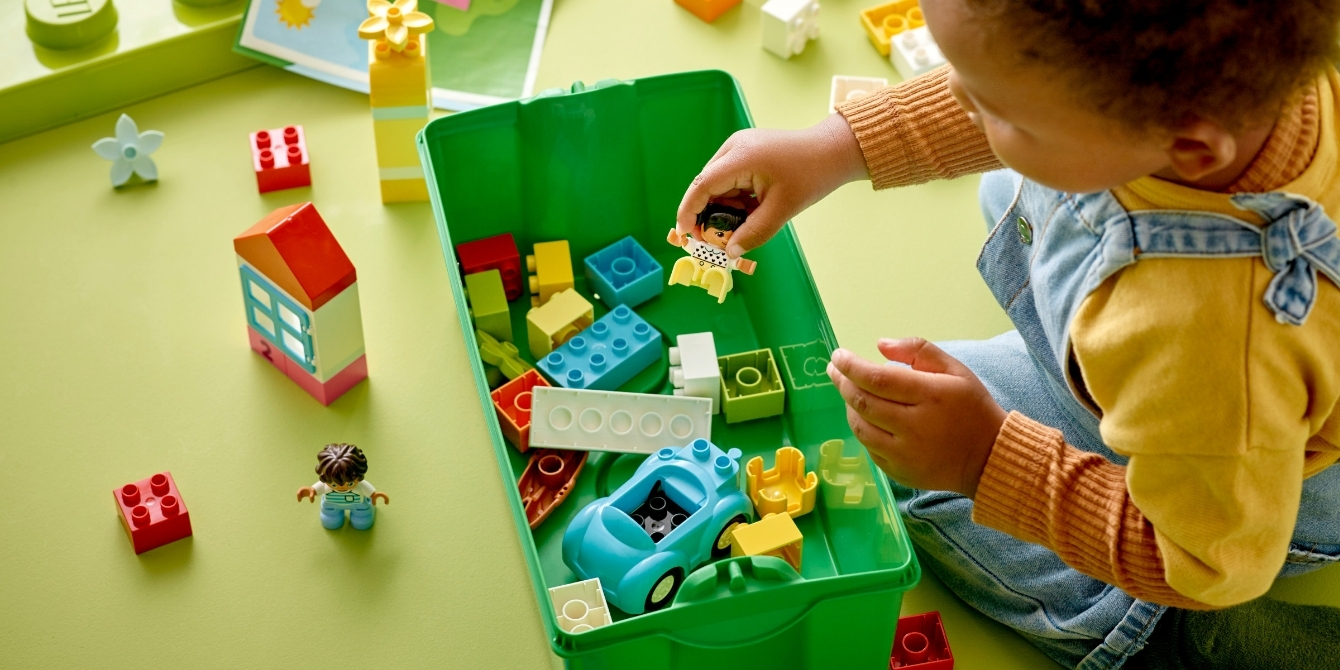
(153, 512)
(280, 159)
(624, 274)
(788, 25)
(512, 402)
(605, 356)
(920, 643)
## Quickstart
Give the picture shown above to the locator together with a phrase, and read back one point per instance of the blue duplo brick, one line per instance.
(605, 356)
(625, 274)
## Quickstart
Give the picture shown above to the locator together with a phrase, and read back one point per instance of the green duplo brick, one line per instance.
(488, 304)
(750, 386)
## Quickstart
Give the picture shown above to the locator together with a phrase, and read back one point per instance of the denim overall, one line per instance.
(1048, 250)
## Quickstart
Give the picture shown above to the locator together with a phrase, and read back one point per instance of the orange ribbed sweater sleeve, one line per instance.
(915, 132)
(1039, 489)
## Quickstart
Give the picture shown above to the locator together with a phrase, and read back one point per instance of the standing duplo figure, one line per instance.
(341, 468)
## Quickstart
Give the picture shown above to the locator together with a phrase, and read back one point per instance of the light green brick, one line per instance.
(488, 304)
(750, 386)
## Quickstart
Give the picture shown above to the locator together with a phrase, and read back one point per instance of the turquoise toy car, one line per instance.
(674, 514)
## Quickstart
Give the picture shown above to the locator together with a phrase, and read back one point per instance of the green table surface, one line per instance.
(126, 355)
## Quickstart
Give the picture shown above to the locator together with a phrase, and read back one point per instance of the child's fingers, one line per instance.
(876, 440)
(718, 178)
(885, 414)
(922, 355)
(761, 224)
(890, 382)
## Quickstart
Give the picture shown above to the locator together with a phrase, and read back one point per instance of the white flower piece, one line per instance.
(129, 151)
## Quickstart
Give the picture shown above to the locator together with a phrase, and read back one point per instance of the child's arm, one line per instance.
(1216, 428)
(907, 134)
(935, 426)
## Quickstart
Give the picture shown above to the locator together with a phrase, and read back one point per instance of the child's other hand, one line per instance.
(306, 491)
(676, 238)
(385, 498)
(788, 170)
(930, 427)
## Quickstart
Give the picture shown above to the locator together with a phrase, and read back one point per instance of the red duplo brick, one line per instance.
(280, 159)
(153, 512)
(493, 253)
(919, 643)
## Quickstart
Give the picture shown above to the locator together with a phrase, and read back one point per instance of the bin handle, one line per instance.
(736, 576)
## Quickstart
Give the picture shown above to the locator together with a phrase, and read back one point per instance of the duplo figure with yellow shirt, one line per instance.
(1122, 477)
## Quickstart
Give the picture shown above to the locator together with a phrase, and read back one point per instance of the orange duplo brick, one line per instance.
(707, 10)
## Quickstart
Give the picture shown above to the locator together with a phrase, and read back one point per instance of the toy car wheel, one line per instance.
(664, 590)
(721, 548)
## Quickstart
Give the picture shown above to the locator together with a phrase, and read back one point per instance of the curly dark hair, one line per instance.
(340, 464)
(1162, 63)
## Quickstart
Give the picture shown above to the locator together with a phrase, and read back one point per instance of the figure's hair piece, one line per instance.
(340, 464)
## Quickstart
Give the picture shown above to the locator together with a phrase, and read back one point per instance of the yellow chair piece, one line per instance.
(786, 488)
(847, 481)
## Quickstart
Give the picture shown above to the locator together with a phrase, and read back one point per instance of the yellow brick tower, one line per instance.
(400, 92)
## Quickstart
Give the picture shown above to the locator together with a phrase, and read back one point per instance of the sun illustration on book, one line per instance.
(296, 13)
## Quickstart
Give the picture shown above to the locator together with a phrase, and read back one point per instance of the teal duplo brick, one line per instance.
(605, 356)
(625, 274)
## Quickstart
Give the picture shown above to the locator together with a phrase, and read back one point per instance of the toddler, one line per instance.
(1123, 476)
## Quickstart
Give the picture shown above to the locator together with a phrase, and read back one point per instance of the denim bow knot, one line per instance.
(1298, 241)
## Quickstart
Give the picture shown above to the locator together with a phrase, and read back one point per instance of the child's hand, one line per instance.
(307, 491)
(788, 170)
(930, 427)
(385, 498)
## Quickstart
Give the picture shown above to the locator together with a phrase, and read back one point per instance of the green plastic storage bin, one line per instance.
(592, 165)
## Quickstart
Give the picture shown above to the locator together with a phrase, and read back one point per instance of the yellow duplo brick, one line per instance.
(404, 190)
(773, 535)
(557, 321)
(395, 141)
(398, 79)
(551, 270)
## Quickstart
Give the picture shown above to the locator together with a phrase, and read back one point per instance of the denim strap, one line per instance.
(1297, 241)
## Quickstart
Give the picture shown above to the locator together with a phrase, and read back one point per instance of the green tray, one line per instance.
(592, 165)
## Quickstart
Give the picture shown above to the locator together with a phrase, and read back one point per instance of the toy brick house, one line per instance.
(301, 299)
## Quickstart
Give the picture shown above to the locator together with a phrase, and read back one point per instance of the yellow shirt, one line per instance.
(1221, 410)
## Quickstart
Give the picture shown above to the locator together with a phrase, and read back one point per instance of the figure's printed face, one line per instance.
(715, 236)
(345, 488)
